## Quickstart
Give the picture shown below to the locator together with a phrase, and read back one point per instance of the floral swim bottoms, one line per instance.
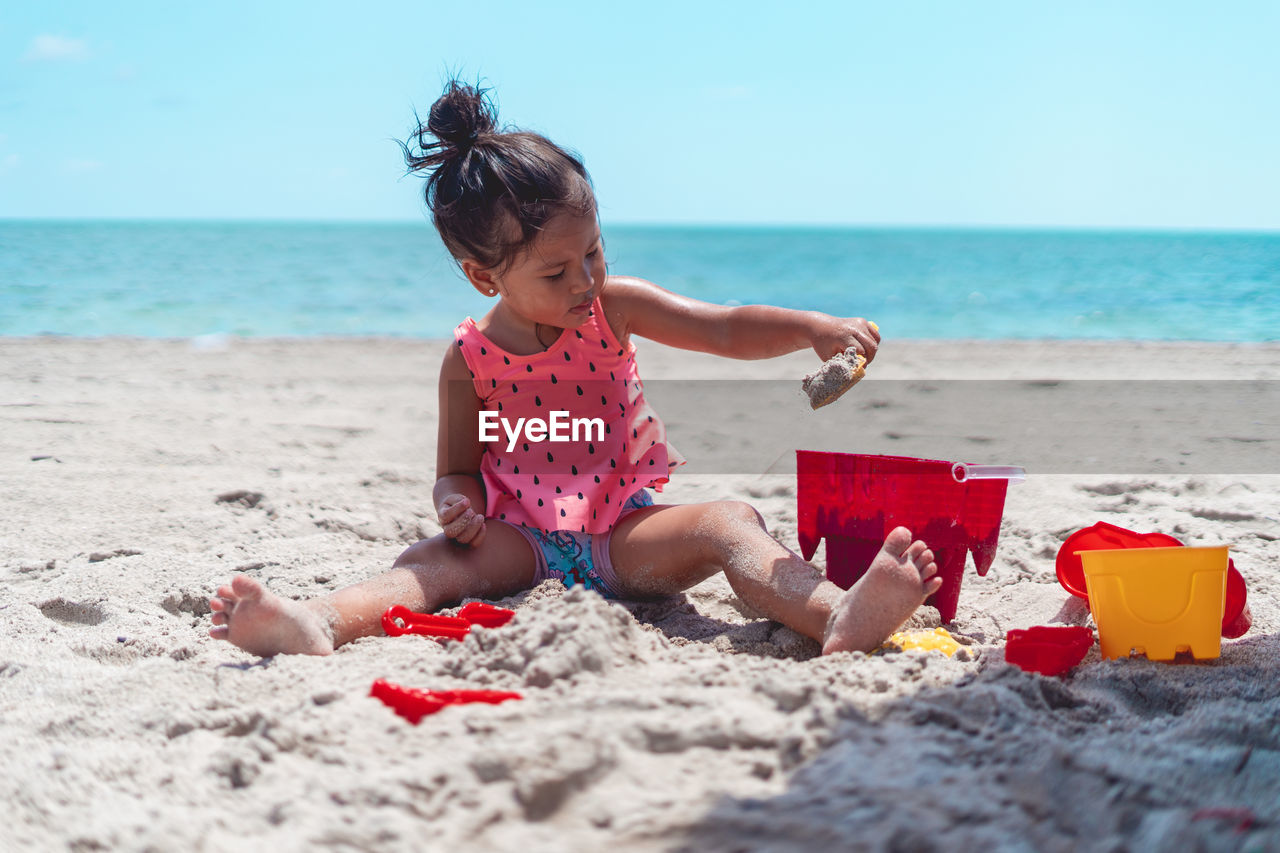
(579, 558)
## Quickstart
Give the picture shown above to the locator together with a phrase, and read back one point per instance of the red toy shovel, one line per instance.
(413, 705)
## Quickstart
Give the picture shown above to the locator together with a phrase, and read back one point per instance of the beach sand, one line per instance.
(139, 475)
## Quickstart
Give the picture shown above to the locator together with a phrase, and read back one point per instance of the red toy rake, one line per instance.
(399, 620)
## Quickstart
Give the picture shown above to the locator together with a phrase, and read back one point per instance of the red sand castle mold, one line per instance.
(1236, 618)
(1048, 649)
(854, 500)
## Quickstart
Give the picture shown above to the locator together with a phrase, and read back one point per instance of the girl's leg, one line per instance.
(427, 576)
(666, 549)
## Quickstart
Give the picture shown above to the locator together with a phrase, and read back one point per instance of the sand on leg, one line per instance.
(665, 549)
(428, 575)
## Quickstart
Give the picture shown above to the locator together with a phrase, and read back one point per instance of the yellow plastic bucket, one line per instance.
(1158, 601)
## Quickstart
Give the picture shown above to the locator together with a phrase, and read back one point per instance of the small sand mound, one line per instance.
(555, 638)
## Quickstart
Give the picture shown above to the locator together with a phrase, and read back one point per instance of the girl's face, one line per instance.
(554, 281)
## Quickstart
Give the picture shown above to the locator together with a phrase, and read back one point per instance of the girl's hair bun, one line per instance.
(461, 115)
(481, 180)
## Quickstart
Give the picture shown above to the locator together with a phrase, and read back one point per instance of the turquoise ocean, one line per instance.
(188, 279)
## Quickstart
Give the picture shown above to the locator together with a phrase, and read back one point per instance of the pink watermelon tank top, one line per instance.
(570, 435)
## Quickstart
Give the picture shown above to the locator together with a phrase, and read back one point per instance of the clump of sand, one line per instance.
(836, 375)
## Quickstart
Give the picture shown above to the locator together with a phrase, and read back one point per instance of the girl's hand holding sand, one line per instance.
(834, 335)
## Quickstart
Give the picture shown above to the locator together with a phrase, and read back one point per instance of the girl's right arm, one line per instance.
(459, 491)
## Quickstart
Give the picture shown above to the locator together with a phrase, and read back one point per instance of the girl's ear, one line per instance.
(481, 278)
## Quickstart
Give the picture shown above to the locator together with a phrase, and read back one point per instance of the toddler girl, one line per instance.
(546, 446)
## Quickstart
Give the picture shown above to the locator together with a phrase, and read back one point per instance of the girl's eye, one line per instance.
(556, 276)
(593, 252)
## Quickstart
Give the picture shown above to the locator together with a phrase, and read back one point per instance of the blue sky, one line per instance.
(1093, 114)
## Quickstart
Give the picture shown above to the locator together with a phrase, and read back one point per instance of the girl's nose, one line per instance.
(584, 282)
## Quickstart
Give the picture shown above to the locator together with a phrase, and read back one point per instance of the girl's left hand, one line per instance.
(834, 335)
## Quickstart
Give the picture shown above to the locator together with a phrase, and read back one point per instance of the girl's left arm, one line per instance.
(744, 331)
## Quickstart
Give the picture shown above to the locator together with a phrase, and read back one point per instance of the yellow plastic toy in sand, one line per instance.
(937, 640)
(1158, 601)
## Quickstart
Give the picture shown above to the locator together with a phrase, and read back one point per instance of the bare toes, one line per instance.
(244, 586)
(915, 551)
(929, 571)
(897, 542)
(219, 632)
(924, 558)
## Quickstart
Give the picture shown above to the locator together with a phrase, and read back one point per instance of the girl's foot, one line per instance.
(265, 624)
(901, 577)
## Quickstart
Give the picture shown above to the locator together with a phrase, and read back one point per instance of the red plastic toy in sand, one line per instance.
(399, 620)
(413, 705)
(854, 500)
(1236, 618)
(1048, 649)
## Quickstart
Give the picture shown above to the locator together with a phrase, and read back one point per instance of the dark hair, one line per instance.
(481, 180)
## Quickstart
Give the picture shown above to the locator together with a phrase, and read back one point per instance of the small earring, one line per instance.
(492, 291)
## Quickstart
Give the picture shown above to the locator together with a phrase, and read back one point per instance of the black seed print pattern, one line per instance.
(612, 363)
